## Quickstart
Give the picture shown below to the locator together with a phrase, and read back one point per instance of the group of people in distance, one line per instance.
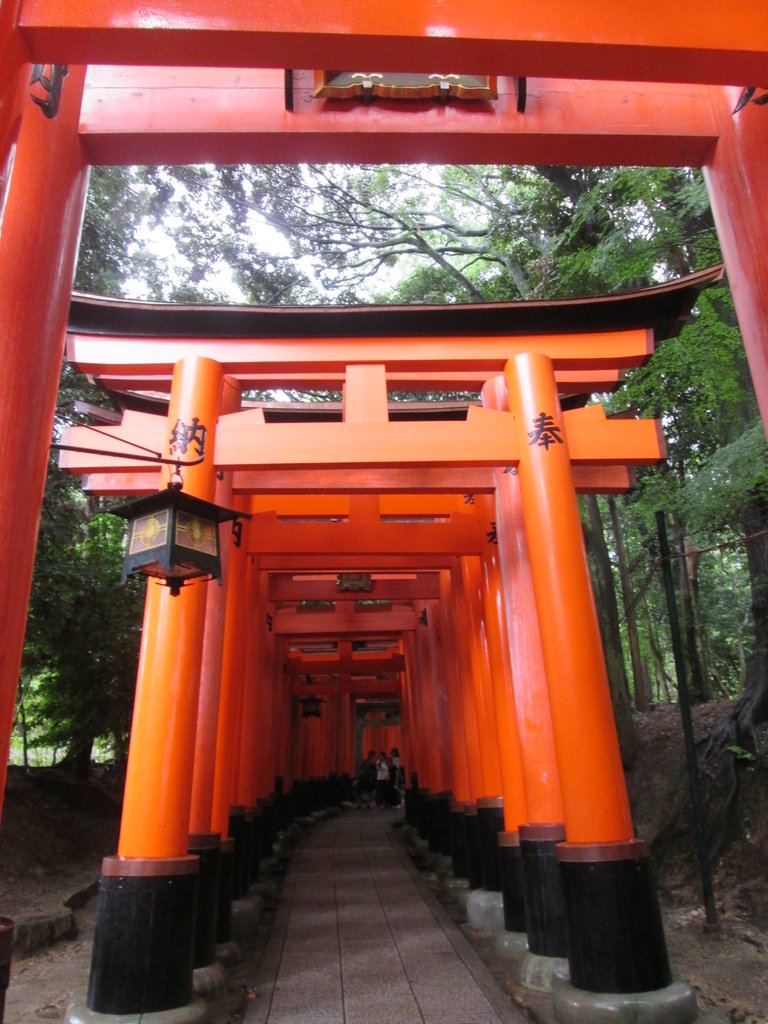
(380, 778)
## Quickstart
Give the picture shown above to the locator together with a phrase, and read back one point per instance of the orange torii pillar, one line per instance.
(205, 843)
(43, 179)
(465, 835)
(460, 771)
(425, 729)
(271, 773)
(230, 714)
(144, 940)
(252, 743)
(615, 935)
(737, 181)
(485, 662)
(479, 718)
(515, 805)
(427, 804)
(529, 849)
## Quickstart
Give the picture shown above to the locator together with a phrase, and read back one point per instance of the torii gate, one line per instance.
(579, 63)
(378, 523)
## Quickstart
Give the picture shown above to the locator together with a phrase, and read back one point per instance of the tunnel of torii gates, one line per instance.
(467, 527)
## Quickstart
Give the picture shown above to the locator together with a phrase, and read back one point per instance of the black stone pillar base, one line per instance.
(226, 891)
(511, 867)
(615, 934)
(474, 865)
(432, 815)
(543, 890)
(206, 846)
(490, 821)
(257, 844)
(246, 914)
(268, 825)
(237, 830)
(144, 940)
(458, 836)
(423, 814)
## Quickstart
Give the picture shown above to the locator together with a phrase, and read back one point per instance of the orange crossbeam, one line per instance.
(191, 115)
(357, 689)
(97, 355)
(422, 587)
(463, 535)
(592, 39)
(351, 665)
(487, 438)
(570, 382)
(343, 622)
(465, 480)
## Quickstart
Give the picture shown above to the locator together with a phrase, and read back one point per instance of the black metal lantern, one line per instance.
(311, 707)
(174, 537)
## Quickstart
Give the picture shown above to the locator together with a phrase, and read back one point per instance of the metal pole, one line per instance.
(683, 700)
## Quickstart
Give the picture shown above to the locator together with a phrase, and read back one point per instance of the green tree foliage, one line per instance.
(83, 626)
(415, 234)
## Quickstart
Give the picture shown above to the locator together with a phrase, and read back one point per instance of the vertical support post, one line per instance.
(737, 180)
(462, 787)
(144, 940)
(203, 842)
(213, 643)
(533, 893)
(39, 231)
(615, 937)
(480, 659)
(466, 693)
(14, 92)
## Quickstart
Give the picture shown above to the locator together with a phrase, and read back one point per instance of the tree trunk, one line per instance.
(638, 675)
(662, 678)
(737, 729)
(608, 616)
(79, 757)
(697, 681)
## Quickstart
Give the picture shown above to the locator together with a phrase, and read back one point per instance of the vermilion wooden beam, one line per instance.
(343, 622)
(485, 439)
(339, 505)
(592, 39)
(463, 534)
(287, 561)
(571, 382)
(466, 480)
(352, 665)
(357, 689)
(177, 115)
(422, 586)
(97, 355)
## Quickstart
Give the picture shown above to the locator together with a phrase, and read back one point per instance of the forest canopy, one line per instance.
(416, 234)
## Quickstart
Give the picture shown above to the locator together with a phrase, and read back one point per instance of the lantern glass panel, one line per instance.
(196, 533)
(149, 532)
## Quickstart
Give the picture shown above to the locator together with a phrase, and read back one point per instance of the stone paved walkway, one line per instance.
(359, 940)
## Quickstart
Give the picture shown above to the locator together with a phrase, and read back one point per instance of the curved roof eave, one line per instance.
(664, 308)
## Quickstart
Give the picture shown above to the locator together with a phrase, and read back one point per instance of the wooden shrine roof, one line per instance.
(664, 308)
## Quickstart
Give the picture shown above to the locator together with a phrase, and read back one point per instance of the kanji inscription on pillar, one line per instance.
(545, 431)
(183, 435)
(50, 80)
